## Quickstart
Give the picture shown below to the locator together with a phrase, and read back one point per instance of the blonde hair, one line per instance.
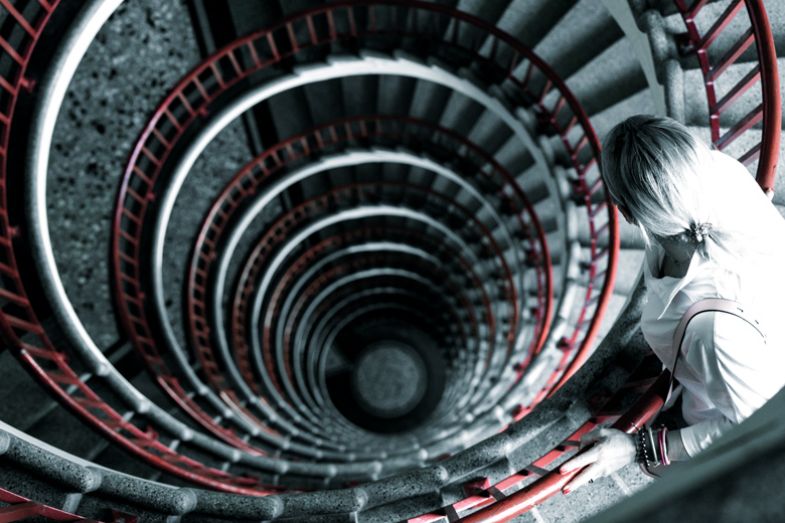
(674, 186)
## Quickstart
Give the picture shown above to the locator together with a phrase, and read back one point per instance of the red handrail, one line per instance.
(20, 508)
(194, 95)
(769, 111)
(772, 103)
(486, 502)
(525, 499)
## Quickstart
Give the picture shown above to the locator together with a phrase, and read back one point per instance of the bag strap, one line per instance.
(701, 306)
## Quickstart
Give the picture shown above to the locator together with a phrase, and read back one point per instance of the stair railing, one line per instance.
(362, 128)
(763, 76)
(51, 365)
(534, 80)
(20, 508)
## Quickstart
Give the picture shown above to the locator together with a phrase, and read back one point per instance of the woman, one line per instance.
(710, 232)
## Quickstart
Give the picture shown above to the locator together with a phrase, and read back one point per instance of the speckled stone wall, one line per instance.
(136, 58)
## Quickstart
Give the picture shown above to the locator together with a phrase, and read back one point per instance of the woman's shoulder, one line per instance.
(720, 327)
(726, 161)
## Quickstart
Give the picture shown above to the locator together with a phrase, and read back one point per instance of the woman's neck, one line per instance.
(677, 257)
(673, 268)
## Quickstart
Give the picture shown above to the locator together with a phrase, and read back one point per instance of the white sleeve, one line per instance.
(700, 435)
(729, 356)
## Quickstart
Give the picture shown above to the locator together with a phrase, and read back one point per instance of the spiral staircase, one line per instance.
(344, 261)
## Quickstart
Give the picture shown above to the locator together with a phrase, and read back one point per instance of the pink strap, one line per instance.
(706, 305)
(709, 305)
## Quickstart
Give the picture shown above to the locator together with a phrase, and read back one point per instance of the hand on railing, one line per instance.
(604, 452)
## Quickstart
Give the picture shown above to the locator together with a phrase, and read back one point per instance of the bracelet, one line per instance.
(652, 440)
(651, 448)
(662, 437)
(646, 449)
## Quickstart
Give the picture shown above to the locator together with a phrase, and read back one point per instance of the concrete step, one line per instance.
(630, 263)
(428, 101)
(621, 78)
(324, 100)
(696, 105)
(592, 499)
(531, 20)
(291, 113)
(614, 309)
(30, 485)
(581, 34)
(637, 103)
(488, 11)
(460, 113)
(65, 431)
(17, 383)
(513, 157)
(490, 133)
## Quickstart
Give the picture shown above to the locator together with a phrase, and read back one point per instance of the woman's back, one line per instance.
(710, 232)
(747, 272)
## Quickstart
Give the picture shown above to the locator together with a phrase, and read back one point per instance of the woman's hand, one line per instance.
(612, 449)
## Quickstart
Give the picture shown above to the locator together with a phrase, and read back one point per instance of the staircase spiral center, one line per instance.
(390, 379)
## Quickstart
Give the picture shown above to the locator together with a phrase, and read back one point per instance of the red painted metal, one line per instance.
(525, 495)
(20, 508)
(764, 73)
(196, 92)
(770, 87)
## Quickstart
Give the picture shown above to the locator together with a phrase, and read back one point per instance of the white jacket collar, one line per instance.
(666, 287)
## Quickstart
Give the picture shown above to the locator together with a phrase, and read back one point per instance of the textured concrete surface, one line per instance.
(222, 158)
(137, 56)
(389, 379)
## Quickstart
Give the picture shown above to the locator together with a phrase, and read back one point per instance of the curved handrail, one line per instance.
(15, 325)
(364, 127)
(644, 409)
(21, 508)
(769, 111)
(564, 115)
(772, 103)
(489, 502)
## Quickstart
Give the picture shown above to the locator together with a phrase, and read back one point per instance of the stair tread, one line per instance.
(775, 10)
(622, 76)
(16, 382)
(581, 34)
(696, 106)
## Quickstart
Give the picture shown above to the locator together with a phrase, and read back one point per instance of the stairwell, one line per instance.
(332, 261)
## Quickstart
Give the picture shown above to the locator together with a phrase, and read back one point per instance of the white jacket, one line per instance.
(727, 369)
